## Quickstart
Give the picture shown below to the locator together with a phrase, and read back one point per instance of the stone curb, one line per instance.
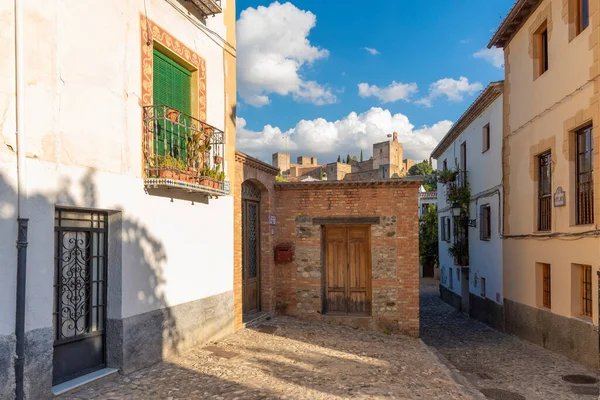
(454, 373)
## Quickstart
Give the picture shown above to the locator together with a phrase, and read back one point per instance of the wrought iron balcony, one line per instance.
(456, 185)
(208, 7)
(183, 156)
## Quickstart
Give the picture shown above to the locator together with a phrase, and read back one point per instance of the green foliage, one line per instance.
(348, 159)
(354, 158)
(428, 238)
(170, 162)
(339, 159)
(447, 175)
(361, 156)
(321, 174)
(423, 169)
(460, 248)
(280, 178)
(430, 182)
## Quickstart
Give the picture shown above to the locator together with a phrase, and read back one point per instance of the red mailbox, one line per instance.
(283, 253)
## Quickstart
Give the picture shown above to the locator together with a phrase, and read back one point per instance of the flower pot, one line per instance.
(218, 160)
(168, 174)
(173, 115)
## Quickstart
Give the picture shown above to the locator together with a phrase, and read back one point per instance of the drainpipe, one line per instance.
(21, 197)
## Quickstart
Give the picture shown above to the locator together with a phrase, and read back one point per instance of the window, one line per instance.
(545, 192)
(485, 219)
(172, 88)
(445, 229)
(541, 43)
(546, 284)
(585, 180)
(486, 138)
(445, 165)
(583, 15)
(586, 291)
(483, 287)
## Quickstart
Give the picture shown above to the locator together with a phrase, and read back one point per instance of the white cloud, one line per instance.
(494, 56)
(349, 135)
(394, 92)
(272, 48)
(452, 89)
(371, 50)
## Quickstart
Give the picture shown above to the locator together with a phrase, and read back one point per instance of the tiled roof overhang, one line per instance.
(319, 185)
(255, 163)
(515, 19)
(487, 97)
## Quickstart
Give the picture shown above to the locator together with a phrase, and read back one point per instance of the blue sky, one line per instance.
(304, 61)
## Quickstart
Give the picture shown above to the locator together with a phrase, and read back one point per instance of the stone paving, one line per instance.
(489, 359)
(295, 360)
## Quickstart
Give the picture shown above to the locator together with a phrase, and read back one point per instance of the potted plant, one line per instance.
(204, 175)
(172, 114)
(218, 160)
(447, 175)
(170, 167)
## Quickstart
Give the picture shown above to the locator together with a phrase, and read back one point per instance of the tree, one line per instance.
(339, 159)
(423, 168)
(321, 174)
(354, 158)
(428, 238)
(348, 159)
(361, 156)
(430, 182)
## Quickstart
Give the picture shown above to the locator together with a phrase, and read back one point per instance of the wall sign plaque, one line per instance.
(559, 197)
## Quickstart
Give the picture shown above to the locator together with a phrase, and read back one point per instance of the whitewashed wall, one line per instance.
(485, 177)
(83, 112)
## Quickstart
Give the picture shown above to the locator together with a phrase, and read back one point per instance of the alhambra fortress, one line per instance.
(387, 162)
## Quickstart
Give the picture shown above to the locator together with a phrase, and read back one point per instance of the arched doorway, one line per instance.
(250, 248)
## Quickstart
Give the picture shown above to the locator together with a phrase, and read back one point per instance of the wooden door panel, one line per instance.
(348, 269)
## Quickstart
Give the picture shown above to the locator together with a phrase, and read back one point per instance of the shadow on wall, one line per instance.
(131, 247)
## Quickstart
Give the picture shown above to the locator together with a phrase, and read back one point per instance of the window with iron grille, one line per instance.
(586, 291)
(445, 164)
(545, 192)
(486, 138)
(585, 176)
(547, 286)
(485, 222)
(483, 287)
(541, 45)
(445, 229)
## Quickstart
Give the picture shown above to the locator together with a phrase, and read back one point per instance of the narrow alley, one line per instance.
(499, 365)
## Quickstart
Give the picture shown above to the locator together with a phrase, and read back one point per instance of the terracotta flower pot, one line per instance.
(218, 160)
(168, 174)
(173, 115)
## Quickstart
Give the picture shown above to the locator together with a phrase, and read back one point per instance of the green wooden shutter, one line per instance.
(172, 87)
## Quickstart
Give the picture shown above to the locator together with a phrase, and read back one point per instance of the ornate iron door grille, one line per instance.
(80, 239)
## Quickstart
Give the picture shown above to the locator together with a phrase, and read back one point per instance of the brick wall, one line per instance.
(395, 247)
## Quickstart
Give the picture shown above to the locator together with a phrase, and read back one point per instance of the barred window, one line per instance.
(547, 285)
(545, 192)
(485, 219)
(586, 291)
(585, 176)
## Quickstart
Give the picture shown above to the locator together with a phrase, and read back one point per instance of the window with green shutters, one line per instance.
(172, 88)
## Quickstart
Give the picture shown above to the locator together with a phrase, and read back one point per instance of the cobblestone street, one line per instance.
(299, 360)
(492, 360)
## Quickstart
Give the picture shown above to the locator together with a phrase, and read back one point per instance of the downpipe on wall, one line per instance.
(21, 198)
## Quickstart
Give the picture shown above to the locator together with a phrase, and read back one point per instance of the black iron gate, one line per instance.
(80, 239)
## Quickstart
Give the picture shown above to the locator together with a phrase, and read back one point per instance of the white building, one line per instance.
(128, 260)
(470, 153)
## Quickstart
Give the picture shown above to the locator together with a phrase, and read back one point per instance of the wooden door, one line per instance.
(348, 270)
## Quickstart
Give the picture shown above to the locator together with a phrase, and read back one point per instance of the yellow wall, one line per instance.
(541, 114)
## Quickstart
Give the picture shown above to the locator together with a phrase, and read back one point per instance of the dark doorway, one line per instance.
(428, 271)
(250, 248)
(348, 270)
(80, 239)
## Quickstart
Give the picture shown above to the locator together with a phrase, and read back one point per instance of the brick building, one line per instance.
(354, 243)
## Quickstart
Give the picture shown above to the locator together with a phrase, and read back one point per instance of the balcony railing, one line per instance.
(182, 155)
(454, 186)
(208, 7)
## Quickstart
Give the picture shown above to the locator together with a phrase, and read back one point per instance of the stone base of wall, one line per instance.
(571, 337)
(451, 298)
(151, 337)
(7, 367)
(486, 311)
(38, 363)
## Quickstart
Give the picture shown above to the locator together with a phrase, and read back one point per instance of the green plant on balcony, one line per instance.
(460, 196)
(197, 146)
(170, 167)
(447, 175)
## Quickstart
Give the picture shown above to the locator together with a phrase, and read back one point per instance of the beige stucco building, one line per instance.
(551, 170)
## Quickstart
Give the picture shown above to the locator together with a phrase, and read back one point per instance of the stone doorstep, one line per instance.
(256, 319)
(102, 374)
